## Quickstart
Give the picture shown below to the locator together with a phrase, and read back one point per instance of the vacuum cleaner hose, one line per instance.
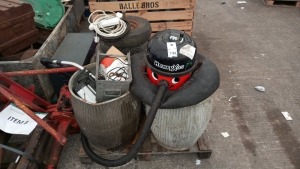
(144, 131)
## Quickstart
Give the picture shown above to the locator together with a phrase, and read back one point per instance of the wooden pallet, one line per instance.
(283, 3)
(162, 14)
(151, 147)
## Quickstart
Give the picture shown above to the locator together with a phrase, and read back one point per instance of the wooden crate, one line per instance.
(293, 3)
(162, 14)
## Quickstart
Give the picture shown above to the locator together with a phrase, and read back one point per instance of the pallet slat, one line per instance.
(141, 5)
(165, 15)
(151, 147)
(291, 3)
(185, 26)
(187, 32)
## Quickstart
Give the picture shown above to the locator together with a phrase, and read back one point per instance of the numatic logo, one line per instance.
(172, 68)
(173, 38)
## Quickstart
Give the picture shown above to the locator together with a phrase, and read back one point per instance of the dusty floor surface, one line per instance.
(256, 45)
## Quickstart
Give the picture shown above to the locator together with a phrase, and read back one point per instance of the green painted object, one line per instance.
(47, 12)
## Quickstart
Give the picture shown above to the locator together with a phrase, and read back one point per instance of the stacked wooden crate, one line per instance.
(295, 3)
(17, 28)
(162, 14)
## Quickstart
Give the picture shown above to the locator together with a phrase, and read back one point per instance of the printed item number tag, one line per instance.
(172, 49)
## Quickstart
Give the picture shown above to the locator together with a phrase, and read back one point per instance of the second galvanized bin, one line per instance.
(179, 129)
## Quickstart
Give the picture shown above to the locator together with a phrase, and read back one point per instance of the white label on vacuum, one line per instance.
(188, 51)
(172, 49)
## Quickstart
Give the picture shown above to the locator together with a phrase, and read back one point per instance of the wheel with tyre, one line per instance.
(139, 33)
(133, 50)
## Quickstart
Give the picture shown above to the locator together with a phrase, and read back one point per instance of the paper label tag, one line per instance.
(225, 134)
(172, 49)
(87, 94)
(188, 51)
(286, 116)
(14, 121)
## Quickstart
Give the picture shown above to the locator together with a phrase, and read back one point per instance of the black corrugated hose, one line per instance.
(135, 148)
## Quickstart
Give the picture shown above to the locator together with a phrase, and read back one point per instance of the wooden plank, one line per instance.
(4, 137)
(184, 25)
(290, 3)
(165, 15)
(187, 32)
(270, 2)
(9, 4)
(284, 0)
(30, 147)
(141, 5)
(83, 157)
(204, 147)
(152, 147)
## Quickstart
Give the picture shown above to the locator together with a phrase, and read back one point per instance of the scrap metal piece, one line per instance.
(60, 138)
(260, 88)
(40, 72)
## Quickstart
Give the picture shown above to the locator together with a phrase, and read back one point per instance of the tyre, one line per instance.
(139, 33)
(133, 50)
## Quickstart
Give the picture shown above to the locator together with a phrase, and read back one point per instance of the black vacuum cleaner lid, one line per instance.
(171, 51)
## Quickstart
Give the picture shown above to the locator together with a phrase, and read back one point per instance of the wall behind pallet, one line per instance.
(162, 14)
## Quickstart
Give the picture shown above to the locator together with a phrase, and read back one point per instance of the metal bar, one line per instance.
(57, 148)
(17, 151)
(39, 72)
(59, 137)
(29, 97)
(28, 101)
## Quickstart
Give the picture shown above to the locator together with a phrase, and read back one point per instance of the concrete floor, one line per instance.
(257, 45)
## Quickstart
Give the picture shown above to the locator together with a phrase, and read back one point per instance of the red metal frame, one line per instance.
(42, 71)
(61, 113)
(27, 97)
(60, 119)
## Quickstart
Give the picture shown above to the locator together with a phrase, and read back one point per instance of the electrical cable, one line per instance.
(107, 23)
(19, 152)
(117, 74)
(144, 131)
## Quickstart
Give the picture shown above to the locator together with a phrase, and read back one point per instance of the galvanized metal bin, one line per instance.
(179, 129)
(68, 23)
(107, 125)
